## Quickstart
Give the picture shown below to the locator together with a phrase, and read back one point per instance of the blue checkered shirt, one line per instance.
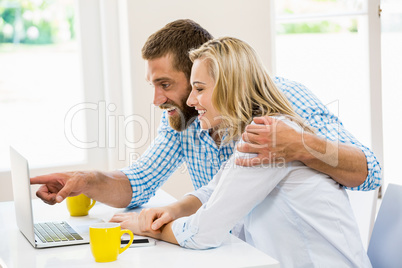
(203, 158)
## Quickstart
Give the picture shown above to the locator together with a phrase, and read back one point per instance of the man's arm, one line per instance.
(273, 140)
(345, 163)
(131, 186)
(333, 150)
(111, 188)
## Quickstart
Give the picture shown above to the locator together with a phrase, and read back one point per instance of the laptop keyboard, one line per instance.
(49, 232)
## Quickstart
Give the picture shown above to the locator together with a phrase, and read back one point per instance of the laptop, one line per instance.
(44, 234)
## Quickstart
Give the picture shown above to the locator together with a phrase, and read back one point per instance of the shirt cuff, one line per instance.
(136, 199)
(374, 176)
(183, 231)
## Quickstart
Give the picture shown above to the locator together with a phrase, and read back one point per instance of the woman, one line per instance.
(293, 213)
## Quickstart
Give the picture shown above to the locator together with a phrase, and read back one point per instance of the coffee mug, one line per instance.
(79, 205)
(105, 241)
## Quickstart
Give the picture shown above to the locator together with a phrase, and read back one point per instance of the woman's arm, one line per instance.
(131, 221)
(238, 191)
(151, 221)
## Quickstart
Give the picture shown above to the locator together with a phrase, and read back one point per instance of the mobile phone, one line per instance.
(140, 242)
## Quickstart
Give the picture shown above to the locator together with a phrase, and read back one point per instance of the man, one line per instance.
(180, 138)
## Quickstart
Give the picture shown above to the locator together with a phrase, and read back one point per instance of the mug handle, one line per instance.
(126, 231)
(92, 204)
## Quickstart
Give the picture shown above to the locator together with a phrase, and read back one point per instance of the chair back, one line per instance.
(385, 248)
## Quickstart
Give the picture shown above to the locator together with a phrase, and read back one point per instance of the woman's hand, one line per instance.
(146, 223)
(127, 220)
(152, 219)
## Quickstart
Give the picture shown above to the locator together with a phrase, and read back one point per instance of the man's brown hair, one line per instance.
(176, 38)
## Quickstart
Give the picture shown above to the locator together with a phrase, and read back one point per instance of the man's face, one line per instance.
(171, 91)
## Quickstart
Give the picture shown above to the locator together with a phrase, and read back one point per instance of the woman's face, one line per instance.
(201, 95)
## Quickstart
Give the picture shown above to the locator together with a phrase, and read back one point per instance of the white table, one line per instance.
(16, 251)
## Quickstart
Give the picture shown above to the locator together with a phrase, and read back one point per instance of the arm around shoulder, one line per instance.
(345, 159)
(345, 163)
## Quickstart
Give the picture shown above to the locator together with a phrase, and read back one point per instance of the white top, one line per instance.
(295, 214)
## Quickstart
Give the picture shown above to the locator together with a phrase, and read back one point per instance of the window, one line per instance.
(40, 81)
(333, 47)
(52, 85)
(323, 45)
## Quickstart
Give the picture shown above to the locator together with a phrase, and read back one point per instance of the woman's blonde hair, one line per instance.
(243, 88)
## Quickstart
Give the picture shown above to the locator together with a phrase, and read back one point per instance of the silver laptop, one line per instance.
(45, 234)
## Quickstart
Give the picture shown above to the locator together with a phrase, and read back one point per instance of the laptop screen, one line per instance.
(22, 194)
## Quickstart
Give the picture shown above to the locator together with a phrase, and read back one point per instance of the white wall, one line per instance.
(247, 20)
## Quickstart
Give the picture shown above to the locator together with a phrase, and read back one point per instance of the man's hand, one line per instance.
(272, 140)
(112, 188)
(57, 186)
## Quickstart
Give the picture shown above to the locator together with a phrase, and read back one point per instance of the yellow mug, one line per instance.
(105, 241)
(79, 205)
